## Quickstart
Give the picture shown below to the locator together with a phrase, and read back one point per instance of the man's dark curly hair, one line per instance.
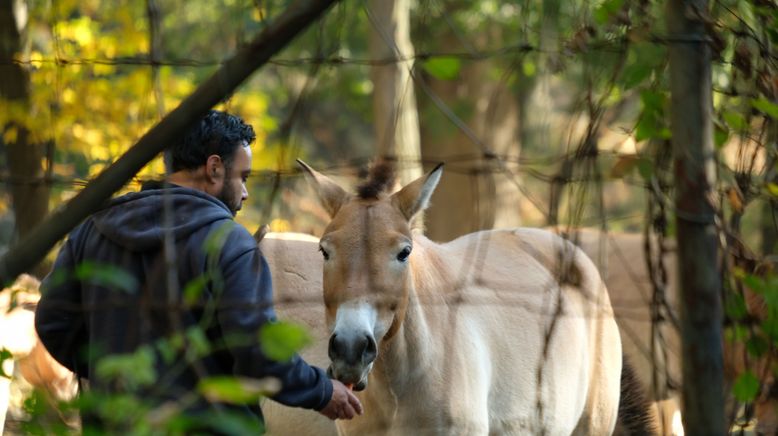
(217, 133)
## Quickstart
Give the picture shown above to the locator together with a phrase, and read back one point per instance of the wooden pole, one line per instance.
(698, 256)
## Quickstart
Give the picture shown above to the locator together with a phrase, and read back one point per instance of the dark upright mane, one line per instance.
(380, 179)
(635, 416)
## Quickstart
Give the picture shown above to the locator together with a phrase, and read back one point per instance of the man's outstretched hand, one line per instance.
(343, 405)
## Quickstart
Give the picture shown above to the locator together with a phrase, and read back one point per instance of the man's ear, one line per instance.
(214, 169)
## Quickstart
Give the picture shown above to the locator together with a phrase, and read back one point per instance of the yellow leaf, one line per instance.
(10, 135)
(772, 188)
(280, 225)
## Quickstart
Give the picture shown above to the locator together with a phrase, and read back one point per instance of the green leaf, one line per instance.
(754, 283)
(735, 120)
(772, 188)
(647, 128)
(4, 355)
(652, 101)
(757, 346)
(281, 340)
(770, 327)
(194, 289)
(735, 306)
(528, 68)
(236, 390)
(651, 124)
(129, 370)
(606, 10)
(766, 106)
(217, 238)
(643, 60)
(198, 341)
(635, 74)
(443, 68)
(720, 135)
(746, 387)
(646, 169)
(109, 276)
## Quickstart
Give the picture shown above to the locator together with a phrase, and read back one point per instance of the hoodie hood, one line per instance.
(136, 220)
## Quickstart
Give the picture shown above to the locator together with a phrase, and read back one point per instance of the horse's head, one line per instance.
(367, 248)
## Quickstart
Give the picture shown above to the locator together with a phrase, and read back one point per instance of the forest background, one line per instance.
(545, 113)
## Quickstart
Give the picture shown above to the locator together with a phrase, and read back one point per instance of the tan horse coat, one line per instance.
(503, 332)
(30, 358)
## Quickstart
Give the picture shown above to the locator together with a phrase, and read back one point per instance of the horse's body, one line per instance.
(492, 344)
(653, 347)
(499, 332)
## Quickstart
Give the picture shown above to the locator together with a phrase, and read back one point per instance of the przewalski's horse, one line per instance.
(499, 332)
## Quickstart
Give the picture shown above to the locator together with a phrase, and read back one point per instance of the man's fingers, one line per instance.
(347, 412)
(355, 403)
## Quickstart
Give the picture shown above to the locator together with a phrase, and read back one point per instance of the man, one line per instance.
(155, 270)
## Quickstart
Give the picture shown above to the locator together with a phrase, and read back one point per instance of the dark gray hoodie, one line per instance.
(108, 293)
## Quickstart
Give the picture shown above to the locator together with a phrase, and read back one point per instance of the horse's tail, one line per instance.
(636, 415)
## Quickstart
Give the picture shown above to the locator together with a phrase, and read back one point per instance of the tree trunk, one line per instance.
(394, 101)
(28, 186)
(474, 192)
(701, 313)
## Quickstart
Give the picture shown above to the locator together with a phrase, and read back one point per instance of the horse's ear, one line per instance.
(415, 196)
(331, 196)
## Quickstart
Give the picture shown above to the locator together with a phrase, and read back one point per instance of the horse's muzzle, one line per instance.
(358, 385)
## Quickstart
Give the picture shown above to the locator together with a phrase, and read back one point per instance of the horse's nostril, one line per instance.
(370, 352)
(336, 348)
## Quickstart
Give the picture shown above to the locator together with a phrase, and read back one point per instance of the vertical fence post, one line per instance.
(693, 153)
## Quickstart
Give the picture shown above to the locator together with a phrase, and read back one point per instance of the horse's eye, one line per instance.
(324, 253)
(403, 255)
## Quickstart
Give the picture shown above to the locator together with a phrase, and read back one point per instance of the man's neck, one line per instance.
(189, 179)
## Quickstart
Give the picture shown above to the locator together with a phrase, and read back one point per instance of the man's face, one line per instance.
(234, 192)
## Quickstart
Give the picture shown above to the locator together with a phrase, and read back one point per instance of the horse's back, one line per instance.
(295, 267)
(546, 318)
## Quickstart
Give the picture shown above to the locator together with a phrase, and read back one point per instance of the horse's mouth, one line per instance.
(357, 382)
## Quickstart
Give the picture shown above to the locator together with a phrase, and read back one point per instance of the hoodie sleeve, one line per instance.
(59, 319)
(245, 306)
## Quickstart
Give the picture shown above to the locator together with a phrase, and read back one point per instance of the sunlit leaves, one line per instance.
(281, 340)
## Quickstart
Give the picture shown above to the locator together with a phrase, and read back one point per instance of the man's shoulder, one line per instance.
(229, 237)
